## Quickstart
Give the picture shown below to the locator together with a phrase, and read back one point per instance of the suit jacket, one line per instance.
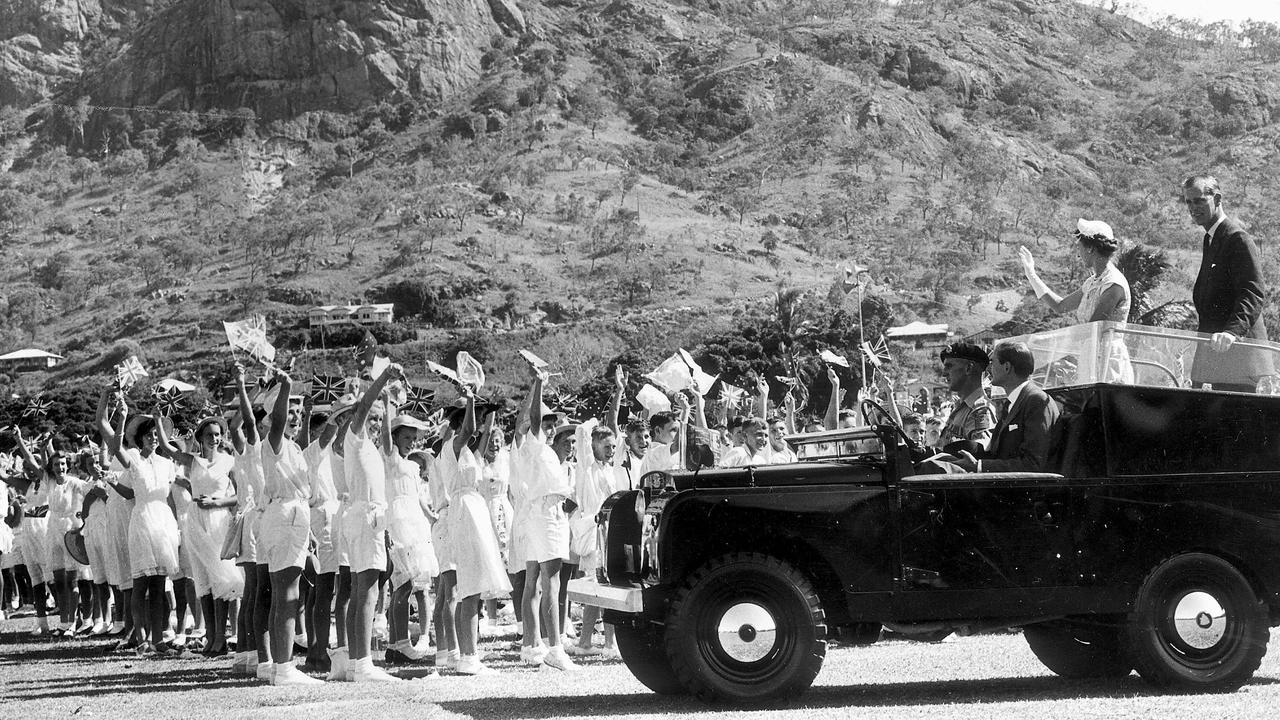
(1020, 442)
(1228, 295)
(1229, 290)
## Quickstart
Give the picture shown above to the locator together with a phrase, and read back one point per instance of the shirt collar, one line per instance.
(1213, 229)
(974, 397)
(1017, 392)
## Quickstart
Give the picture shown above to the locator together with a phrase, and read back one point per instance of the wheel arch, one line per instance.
(773, 541)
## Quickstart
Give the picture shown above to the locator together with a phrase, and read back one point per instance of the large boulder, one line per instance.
(1251, 102)
(289, 56)
(42, 41)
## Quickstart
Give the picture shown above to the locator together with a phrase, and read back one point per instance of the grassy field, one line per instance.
(990, 676)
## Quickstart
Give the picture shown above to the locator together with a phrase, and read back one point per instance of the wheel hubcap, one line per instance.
(747, 632)
(1200, 620)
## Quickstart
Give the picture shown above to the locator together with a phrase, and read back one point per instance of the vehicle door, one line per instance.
(982, 544)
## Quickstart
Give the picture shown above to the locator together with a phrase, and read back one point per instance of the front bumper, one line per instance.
(609, 597)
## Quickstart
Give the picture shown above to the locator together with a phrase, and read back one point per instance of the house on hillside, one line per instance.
(983, 338)
(323, 315)
(921, 335)
(29, 360)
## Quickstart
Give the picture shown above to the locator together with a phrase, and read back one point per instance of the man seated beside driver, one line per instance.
(1020, 442)
(973, 418)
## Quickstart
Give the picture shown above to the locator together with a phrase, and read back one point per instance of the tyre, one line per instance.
(746, 628)
(644, 655)
(1197, 625)
(1078, 652)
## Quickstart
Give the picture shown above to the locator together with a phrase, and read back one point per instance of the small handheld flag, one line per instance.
(418, 400)
(130, 372)
(37, 408)
(326, 389)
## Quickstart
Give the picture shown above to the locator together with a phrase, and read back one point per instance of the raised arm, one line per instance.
(110, 436)
(360, 415)
(246, 408)
(486, 428)
(832, 419)
(280, 411)
(1042, 291)
(387, 448)
(534, 417)
(762, 396)
(28, 460)
(615, 400)
(790, 420)
(468, 427)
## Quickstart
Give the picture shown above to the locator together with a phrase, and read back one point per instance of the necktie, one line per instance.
(1207, 239)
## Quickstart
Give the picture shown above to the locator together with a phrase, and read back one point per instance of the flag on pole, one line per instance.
(679, 372)
(129, 372)
(326, 389)
(444, 372)
(877, 353)
(855, 278)
(653, 399)
(833, 359)
(418, 400)
(533, 360)
(37, 408)
(168, 400)
(250, 335)
(562, 400)
(470, 371)
(732, 396)
(365, 349)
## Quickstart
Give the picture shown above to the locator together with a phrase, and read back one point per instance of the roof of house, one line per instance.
(916, 329)
(28, 354)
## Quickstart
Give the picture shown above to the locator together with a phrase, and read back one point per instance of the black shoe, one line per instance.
(395, 657)
(317, 665)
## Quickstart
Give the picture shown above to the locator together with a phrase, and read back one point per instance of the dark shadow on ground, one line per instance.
(167, 681)
(887, 695)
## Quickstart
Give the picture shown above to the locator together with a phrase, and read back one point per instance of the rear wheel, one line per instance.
(643, 652)
(1078, 651)
(1197, 625)
(746, 628)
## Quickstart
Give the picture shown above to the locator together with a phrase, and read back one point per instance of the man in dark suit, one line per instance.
(1020, 442)
(1228, 294)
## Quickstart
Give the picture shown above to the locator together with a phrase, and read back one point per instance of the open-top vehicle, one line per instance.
(1151, 542)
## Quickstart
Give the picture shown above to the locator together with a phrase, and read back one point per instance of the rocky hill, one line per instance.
(602, 180)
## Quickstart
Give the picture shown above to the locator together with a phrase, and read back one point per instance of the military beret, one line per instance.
(965, 351)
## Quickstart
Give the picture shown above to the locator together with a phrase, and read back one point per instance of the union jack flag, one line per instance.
(129, 372)
(877, 353)
(168, 400)
(37, 408)
(326, 389)
(418, 401)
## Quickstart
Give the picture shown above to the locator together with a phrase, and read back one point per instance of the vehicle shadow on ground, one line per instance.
(945, 692)
(167, 681)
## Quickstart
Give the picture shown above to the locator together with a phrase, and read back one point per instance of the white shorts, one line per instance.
(283, 534)
(365, 539)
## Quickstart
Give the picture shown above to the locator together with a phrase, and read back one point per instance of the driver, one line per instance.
(972, 420)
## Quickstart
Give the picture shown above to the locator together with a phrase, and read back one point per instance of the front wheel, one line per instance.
(643, 652)
(746, 628)
(1197, 625)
